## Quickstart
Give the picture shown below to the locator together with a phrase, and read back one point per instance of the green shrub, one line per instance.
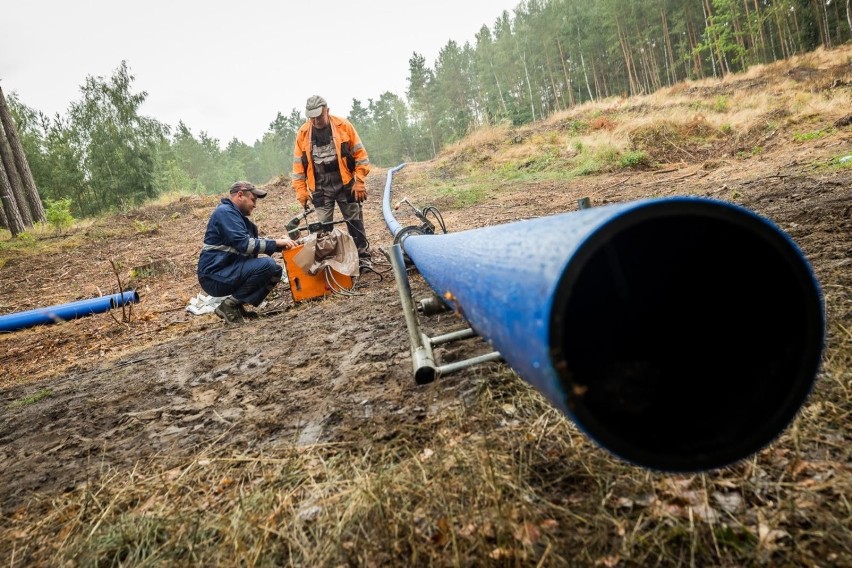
(26, 237)
(814, 135)
(59, 214)
(579, 127)
(633, 159)
(721, 103)
(144, 228)
(586, 167)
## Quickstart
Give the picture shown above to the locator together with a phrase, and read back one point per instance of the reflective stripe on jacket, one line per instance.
(351, 156)
(230, 236)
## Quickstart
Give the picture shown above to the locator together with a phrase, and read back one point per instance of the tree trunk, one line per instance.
(14, 182)
(715, 43)
(818, 18)
(838, 26)
(557, 94)
(798, 47)
(586, 75)
(785, 52)
(738, 34)
(569, 88)
(4, 223)
(33, 198)
(583, 64)
(649, 64)
(697, 66)
(633, 82)
(752, 40)
(13, 218)
(849, 15)
(670, 60)
(759, 20)
(529, 85)
(827, 26)
(499, 90)
(431, 130)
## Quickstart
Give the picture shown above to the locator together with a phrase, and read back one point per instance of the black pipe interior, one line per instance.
(686, 340)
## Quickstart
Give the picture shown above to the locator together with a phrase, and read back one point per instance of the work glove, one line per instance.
(359, 190)
(303, 200)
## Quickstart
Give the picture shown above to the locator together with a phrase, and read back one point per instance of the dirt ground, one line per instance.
(167, 385)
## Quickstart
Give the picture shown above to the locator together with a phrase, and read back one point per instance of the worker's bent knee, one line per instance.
(273, 272)
(265, 266)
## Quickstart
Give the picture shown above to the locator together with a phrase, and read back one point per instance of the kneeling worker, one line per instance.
(229, 264)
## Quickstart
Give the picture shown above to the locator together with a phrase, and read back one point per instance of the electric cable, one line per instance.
(335, 286)
(437, 214)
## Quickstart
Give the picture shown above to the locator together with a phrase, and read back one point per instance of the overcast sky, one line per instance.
(228, 68)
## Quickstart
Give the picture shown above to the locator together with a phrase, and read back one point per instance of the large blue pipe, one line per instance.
(681, 334)
(64, 312)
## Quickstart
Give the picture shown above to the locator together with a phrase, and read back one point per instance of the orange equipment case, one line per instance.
(303, 286)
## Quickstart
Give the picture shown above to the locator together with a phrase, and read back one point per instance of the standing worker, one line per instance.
(229, 264)
(331, 165)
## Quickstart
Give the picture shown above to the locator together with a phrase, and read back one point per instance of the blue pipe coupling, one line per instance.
(64, 312)
(681, 334)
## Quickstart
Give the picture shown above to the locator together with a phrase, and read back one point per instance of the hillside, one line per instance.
(302, 438)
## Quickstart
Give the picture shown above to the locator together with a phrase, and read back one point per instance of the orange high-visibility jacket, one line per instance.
(351, 156)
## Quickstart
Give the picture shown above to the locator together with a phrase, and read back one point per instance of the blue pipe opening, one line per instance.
(686, 334)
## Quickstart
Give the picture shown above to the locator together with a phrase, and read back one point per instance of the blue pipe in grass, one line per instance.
(64, 312)
(681, 334)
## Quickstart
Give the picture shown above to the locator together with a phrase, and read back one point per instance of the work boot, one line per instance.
(247, 314)
(364, 265)
(229, 310)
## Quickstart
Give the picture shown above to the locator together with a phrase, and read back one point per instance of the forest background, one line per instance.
(549, 56)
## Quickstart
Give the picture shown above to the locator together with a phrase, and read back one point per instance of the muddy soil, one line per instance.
(169, 385)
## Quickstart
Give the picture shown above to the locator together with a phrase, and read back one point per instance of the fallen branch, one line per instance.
(616, 184)
(681, 177)
(692, 173)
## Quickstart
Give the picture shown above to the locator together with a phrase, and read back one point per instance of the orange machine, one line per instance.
(304, 286)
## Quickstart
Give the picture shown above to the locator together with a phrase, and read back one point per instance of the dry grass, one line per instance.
(500, 478)
(693, 120)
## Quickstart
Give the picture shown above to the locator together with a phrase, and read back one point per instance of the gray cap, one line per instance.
(246, 186)
(313, 108)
